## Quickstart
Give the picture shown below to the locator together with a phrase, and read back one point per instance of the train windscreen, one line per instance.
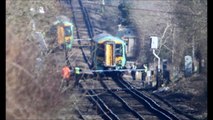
(67, 30)
(118, 50)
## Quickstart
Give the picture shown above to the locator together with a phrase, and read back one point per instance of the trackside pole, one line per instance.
(154, 46)
(157, 69)
(157, 58)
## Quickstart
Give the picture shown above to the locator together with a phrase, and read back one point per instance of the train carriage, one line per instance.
(108, 52)
(65, 34)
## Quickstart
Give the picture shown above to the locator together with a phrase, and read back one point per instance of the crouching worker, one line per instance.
(77, 71)
(66, 74)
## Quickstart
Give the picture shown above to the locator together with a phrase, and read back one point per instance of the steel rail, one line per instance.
(80, 114)
(107, 112)
(135, 113)
(175, 109)
(148, 102)
(66, 51)
(85, 18)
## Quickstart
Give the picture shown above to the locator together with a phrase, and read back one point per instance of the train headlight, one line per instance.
(68, 41)
(119, 62)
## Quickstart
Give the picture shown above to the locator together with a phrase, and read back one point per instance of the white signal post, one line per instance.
(103, 2)
(154, 45)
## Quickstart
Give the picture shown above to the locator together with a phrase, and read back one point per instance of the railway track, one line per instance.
(173, 107)
(149, 104)
(127, 103)
(159, 103)
(87, 110)
(83, 30)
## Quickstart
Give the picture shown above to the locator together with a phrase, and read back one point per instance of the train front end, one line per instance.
(65, 34)
(110, 52)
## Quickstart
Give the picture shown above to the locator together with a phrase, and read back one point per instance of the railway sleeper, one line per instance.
(148, 103)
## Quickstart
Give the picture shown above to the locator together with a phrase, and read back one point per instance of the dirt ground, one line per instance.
(188, 95)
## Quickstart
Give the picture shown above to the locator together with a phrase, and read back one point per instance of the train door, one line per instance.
(109, 54)
(60, 34)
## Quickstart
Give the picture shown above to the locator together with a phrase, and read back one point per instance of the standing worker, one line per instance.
(77, 76)
(133, 72)
(143, 78)
(66, 74)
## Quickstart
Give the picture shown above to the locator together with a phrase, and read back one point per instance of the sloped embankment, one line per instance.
(32, 78)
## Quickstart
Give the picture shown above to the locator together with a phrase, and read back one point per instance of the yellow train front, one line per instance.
(65, 34)
(108, 52)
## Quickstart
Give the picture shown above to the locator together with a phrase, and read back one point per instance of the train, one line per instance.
(65, 34)
(108, 52)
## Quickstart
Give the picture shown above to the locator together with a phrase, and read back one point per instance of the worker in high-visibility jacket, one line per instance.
(66, 74)
(77, 72)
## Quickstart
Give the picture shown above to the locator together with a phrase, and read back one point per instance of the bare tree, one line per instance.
(191, 20)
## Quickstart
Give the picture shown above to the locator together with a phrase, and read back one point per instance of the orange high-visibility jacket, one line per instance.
(66, 72)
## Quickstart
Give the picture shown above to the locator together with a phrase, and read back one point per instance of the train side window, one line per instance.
(100, 50)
